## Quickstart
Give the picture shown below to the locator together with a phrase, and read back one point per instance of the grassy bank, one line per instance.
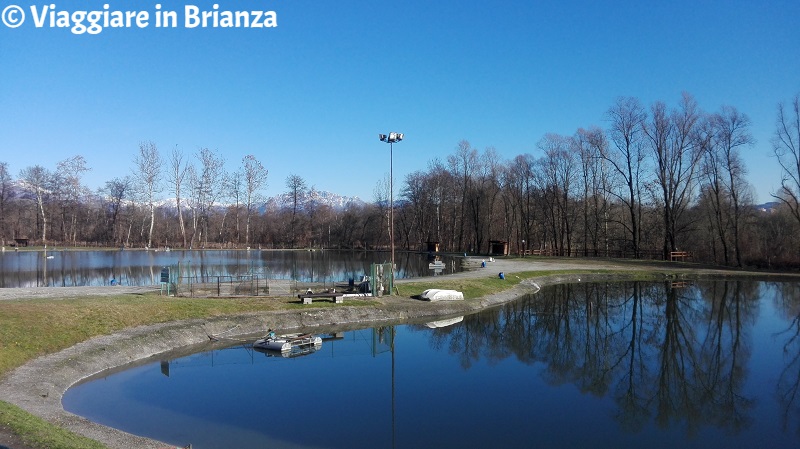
(34, 327)
(36, 432)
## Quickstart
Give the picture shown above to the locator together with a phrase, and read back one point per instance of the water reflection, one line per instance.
(675, 356)
(55, 268)
(787, 299)
(716, 364)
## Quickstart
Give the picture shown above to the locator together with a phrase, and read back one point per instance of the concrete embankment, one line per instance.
(38, 386)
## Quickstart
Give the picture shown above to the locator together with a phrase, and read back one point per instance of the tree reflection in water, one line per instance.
(673, 354)
(788, 301)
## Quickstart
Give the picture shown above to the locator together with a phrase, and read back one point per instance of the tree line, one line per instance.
(655, 180)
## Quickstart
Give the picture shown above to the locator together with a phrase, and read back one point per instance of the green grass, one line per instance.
(32, 328)
(479, 287)
(37, 432)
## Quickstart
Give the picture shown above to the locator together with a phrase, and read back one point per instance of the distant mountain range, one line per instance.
(333, 200)
(321, 197)
(767, 207)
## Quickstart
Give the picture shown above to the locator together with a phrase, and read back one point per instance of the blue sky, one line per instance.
(310, 96)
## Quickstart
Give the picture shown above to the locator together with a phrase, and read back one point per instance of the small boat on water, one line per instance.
(287, 342)
(295, 351)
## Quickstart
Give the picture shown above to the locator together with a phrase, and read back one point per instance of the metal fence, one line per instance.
(379, 283)
(241, 285)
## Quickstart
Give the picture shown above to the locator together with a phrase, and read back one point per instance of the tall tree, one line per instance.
(147, 173)
(590, 145)
(721, 139)
(118, 190)
(5, 197)
(255, 179)
(208, 182)
(786, 146)
(176, 175)
(461, 165)
(520, 181)
(626, 157)
(297, 190)
(71, 193)
(39, 181)
(672, 138)
(235, 188)
(557, 174)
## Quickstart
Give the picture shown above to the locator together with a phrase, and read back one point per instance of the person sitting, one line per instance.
(271, 334)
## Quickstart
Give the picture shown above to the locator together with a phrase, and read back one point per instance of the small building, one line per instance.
(498, 248)
(22, 241)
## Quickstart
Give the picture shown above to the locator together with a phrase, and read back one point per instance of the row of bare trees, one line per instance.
(657, 179)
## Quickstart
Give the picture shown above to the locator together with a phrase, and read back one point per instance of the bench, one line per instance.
(679, 255)
(308, 298)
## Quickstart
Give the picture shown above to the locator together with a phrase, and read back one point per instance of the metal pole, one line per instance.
(391, 209)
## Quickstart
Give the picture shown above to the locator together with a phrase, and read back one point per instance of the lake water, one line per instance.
(139, 267)
(656, 365)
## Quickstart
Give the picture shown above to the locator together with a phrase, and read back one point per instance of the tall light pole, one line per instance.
(391, 138)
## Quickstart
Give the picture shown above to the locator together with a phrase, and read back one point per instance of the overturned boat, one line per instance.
(435, 294)
(288, 342)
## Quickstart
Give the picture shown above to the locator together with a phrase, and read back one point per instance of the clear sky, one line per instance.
(310, 96)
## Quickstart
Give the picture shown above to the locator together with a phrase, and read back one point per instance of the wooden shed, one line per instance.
(498, 248)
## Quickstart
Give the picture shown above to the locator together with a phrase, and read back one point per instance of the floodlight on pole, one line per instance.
(391, 139)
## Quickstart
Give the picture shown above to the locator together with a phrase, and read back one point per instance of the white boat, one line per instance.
(295, 351)
(445, 323)
(435, 294)
(287, 342)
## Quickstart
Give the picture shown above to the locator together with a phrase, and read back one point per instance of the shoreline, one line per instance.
(38, 386)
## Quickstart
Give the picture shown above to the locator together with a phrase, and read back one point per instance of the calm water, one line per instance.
(712, 365)
(138, 267)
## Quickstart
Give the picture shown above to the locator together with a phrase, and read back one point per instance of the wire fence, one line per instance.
(242, 286)
(259, 283)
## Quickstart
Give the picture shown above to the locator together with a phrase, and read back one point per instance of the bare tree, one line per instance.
(207, 184)
(147, 172)
(626, 157)
(118, 190)
(178, 168)
(255, 179)
(297, 191)
(5, 197)
(70, 192)
(235, 188)
(673, 143)
(590, 145)
(462, 165)
(721, 136)
(556, 179)
(39, 181)
(786, 146)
